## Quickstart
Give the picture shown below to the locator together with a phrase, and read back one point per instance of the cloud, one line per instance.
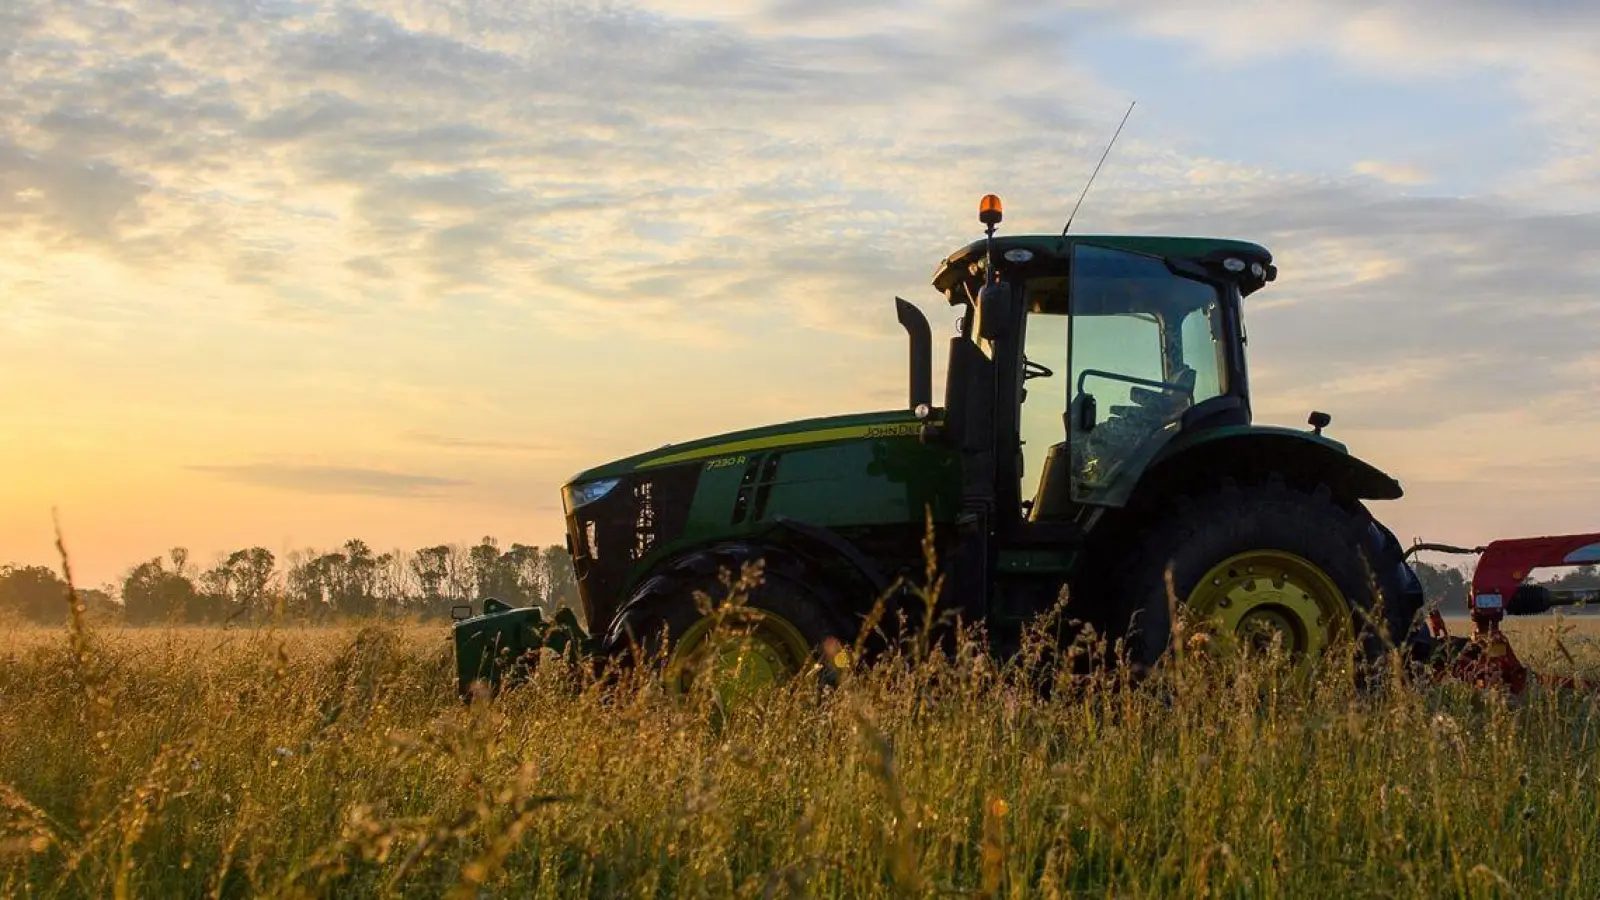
(320, 113)
(93, 200)
(1402, 311)
(333, 479)
(691, 173)
(1392, 173)
(408, 158)
(622, 169)
(1547, 51)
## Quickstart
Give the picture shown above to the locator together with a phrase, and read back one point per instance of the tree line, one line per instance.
(1448, 585)
(349, 582)
(353, 581)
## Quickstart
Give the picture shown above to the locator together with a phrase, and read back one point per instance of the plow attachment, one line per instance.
(1486, 658)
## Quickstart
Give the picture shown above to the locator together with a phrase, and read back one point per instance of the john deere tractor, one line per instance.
(1095, 441)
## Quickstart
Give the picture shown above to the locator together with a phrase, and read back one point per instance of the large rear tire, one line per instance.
(1264, 562)
(787, 626)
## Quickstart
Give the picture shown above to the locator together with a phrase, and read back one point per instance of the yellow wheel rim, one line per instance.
(1261, 596)
(755, 649)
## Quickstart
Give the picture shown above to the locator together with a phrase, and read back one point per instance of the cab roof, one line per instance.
(969, 260)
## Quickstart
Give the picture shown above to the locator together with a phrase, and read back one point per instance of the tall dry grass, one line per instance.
(193, 763)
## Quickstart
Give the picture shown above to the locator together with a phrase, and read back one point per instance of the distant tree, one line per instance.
(391, 584)
(431, 568)
(515, 576)
(153, 593)
(349, 582)
(491, 572)
(34, 592)
(562, 586)
(1445, 586)
(251, 577)
(355, 579)
(305, 593)
(213, 594)
(525, 566)
(458, 586)
(239, 584)
(342, 583)
(97, 603)
(1582, 578)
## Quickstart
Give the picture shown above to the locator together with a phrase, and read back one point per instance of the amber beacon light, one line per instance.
(989, 210)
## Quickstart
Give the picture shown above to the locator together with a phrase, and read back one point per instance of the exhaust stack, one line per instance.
(921, 341)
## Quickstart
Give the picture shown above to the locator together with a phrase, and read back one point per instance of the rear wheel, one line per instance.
(1265, 563)
(1261, 596)
(783, 628)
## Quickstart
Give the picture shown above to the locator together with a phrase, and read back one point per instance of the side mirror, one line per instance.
(995, 313)
(461, 611)
(1085, 413)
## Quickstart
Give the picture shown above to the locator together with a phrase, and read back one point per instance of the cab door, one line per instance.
(1044, 402)
(1129, 384)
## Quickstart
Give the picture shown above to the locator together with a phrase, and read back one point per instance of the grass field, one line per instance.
(338, 762)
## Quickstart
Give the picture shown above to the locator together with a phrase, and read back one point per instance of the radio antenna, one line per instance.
(1096, 171)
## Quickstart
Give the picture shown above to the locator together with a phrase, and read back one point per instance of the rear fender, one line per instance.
(1254, 454)
(1248, 453)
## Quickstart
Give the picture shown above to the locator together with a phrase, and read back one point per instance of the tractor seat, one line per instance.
(1160, 403)
(1124, 428)
(1147, 396)
(1185, 381)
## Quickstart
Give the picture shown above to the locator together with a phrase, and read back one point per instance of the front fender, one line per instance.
(1298, 455)
(807, 551)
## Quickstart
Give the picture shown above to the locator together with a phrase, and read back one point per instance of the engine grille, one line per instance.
(614, 535)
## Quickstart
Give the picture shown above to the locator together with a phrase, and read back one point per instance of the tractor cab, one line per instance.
(1087, 354)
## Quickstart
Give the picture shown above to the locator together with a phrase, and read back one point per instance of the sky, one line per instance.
(284, 273)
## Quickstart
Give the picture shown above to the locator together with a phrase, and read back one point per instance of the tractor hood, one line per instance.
(856, 426)
(852, 471)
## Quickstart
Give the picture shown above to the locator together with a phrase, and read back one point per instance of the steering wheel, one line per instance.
(1031, 369)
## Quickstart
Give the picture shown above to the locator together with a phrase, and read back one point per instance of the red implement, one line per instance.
(1486, 658)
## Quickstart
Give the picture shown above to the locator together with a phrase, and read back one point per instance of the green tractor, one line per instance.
(1095, 437)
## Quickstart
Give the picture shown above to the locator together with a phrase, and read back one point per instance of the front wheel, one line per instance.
(1261, 564)
(784, 628)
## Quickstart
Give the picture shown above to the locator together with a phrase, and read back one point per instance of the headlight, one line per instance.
(584, 494)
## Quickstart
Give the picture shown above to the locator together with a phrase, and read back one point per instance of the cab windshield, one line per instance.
(1143, 346)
